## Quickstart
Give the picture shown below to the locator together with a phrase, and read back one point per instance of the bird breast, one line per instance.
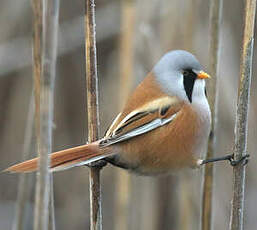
(168, 148)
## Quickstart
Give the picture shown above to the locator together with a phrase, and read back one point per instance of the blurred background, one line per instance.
(131, 36)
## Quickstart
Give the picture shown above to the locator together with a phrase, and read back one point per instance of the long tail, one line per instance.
(65, 159)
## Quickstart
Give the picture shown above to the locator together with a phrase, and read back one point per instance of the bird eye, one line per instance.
(187, 73)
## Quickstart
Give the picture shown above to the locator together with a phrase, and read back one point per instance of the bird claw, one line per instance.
(244, 158)
(98, 164)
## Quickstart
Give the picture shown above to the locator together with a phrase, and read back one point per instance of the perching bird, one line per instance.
(163, 127)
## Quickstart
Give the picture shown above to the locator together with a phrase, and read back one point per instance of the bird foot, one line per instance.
(243, 159)
(98, 164)
(229, 157)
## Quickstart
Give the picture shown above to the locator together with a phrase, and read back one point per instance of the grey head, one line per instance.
(177, 72)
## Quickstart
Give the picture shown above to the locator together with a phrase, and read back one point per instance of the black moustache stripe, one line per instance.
(189, 81)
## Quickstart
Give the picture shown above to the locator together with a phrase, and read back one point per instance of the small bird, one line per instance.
(163, 127)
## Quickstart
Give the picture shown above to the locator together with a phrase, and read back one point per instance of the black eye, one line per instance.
(189, 73)
(186, 73)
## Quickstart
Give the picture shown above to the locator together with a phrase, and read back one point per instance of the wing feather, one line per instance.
(148, 108)
(156, 123)
(146, 118)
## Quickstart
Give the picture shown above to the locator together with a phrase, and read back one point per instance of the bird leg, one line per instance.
(229, 157)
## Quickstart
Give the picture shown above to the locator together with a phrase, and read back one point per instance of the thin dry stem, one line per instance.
(37, 46)
(240, 147)
(45, 68)
(126, 49)
(24, 187)
(190, 24)
(186, 206)
(51, 205)
(37, 50)
(123, 182)
(215, 21)
(93, 113)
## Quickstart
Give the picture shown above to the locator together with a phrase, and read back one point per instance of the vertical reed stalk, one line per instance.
(123, 183)
(24, 187)
(186, 206)
(45, 52)
(215, 21)
(51, 205)
(37, 46)
(93, 113)
(37, 50)
(126, 48)
(240, 147)
(190, 24)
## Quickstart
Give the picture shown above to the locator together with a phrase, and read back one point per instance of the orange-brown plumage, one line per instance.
(61, 158)
(163, 127)
(168, 147)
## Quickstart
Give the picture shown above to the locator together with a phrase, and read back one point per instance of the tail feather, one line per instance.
(65, 159)
(77, 162)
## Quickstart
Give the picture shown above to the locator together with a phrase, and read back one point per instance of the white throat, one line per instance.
(201, 106)
(199, 100)
(198, 94)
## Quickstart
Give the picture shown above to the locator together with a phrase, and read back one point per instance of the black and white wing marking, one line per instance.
(145, 119)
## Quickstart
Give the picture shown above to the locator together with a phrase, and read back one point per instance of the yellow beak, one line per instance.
(203, 75)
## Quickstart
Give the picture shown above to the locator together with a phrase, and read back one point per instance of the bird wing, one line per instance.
(149, 116)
